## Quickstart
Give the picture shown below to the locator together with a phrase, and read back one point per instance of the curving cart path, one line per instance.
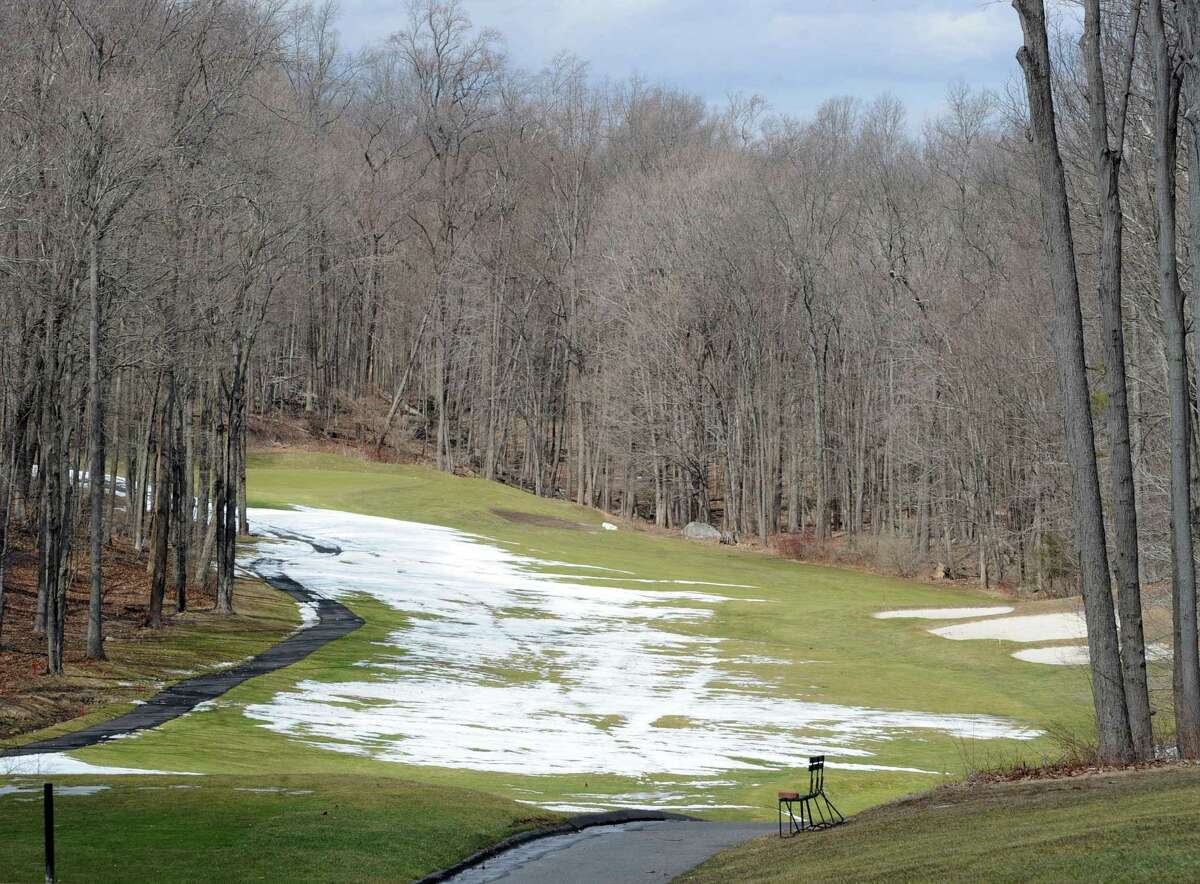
(334, 620)
(629, 853)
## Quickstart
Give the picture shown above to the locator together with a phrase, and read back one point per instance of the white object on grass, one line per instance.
(1030, 628)
(1077, 655)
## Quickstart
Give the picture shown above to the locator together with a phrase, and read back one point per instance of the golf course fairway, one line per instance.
(518, 661)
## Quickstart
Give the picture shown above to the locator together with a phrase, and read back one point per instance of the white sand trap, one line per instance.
(1031, 628)
(1077, 655)
(501, 667)
(1063, 655)
(942, 613)
(62, 764)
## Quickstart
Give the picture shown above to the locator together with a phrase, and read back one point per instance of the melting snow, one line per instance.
(61, 764)
(309, 616)
(503, 668)
(58, 790)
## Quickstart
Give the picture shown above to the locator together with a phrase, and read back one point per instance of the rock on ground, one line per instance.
(701, 531)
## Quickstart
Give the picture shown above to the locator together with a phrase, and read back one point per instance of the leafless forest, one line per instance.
(842, 329)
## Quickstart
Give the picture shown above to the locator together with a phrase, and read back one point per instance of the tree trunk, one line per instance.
(1108, 692)
(1187, 654)
(95, 627)
(1108, 176)
(162, 515)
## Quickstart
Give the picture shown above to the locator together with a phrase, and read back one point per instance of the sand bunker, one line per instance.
(1077, 655)
(1032, 628)
(942, 613)
(502, 667)
(1063, 655)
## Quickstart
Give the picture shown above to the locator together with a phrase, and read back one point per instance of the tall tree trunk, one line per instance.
(1107, 160)
(1187, 652)
(162, 512)
(95, 627)
(1108, 690)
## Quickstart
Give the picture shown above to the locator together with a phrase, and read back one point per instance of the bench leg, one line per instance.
(835, 815)
(793, 826)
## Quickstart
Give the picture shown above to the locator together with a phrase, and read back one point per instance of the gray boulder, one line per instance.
(701, 531)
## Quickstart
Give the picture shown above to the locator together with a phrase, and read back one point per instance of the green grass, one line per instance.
(818, 618)
(811, 613)
(327, 828)
(1142, 826)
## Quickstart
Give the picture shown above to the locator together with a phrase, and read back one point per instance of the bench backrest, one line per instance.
(816, 773)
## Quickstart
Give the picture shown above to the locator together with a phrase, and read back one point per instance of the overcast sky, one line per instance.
(795, 53)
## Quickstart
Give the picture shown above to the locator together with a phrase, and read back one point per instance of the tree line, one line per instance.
(851, 329)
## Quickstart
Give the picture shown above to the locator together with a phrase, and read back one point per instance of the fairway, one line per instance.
(685, 676)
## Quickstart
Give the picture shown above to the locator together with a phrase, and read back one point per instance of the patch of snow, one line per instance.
(309, 615)
(756, 659)
(943, 613)
(551, 563)
(597, 665)
(79, 790)
(1031, 628)
(62, 764)
(566, 808)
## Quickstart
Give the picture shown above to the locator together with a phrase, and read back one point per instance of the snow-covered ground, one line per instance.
(500, 667)
(62, 764)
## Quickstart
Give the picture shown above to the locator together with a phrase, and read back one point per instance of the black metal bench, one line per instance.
(816, 810)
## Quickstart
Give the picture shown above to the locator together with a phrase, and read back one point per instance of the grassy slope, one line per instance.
(1142, 826)
(327, 828)
(813, 613)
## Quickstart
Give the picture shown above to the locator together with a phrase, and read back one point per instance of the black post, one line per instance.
(48, 813)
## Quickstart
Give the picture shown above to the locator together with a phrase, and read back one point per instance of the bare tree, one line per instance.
(1108, 691)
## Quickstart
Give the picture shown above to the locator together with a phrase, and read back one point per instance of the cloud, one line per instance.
(794, 52)
(924, 38)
